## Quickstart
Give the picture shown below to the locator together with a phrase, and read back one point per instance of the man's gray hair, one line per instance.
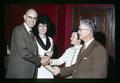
(89, 23)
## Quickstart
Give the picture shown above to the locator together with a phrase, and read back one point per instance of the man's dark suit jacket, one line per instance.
(23, 59)
(92, 63)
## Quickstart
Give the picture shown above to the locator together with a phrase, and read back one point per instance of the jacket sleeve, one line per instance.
(65, 71)
(23, 50)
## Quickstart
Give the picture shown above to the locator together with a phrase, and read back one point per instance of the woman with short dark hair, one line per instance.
(44, 44)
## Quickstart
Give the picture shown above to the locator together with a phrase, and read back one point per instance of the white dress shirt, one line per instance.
(88, 43)
(28, 29)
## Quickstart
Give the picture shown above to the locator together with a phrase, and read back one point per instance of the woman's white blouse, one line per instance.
(42, 71)
(41, 51)
(69, 57)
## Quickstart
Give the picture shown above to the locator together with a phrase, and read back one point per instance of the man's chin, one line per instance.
(72, 44)
(32, 26)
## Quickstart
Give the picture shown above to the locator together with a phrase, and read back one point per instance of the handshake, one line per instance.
(45, 61)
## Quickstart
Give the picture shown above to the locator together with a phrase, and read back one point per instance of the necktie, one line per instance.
(33, 38)
(82, 49)
(80, 53)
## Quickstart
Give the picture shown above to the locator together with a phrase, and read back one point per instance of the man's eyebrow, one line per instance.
(32, 17)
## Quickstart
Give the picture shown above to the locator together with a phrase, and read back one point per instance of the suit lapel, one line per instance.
(85, 54)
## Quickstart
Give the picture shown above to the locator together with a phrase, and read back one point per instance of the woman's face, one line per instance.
(42, 28)
(74, 38)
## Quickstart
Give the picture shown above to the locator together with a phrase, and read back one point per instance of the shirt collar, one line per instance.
(26, 26)
(88, 43)
(78, 46)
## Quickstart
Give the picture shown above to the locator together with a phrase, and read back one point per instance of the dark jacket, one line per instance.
(91, 64)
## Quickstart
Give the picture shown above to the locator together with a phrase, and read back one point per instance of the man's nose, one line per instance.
(32, 19)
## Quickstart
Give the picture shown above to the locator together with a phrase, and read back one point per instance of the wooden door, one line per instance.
(104, 18)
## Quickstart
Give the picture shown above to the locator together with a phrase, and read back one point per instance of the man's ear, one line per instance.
(24, 16)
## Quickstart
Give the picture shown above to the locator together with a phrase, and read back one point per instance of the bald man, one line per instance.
(24, 60)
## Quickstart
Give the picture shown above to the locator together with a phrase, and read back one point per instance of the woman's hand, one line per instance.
(49, 54)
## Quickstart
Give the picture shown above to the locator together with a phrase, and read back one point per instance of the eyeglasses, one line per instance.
(83, 29)
(30, 17)
(42, 25)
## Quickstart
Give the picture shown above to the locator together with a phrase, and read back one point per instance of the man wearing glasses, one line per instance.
(92, 61)
(24, 59)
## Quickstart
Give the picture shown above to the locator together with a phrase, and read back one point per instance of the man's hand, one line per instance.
(55, 70)
(45, 60)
